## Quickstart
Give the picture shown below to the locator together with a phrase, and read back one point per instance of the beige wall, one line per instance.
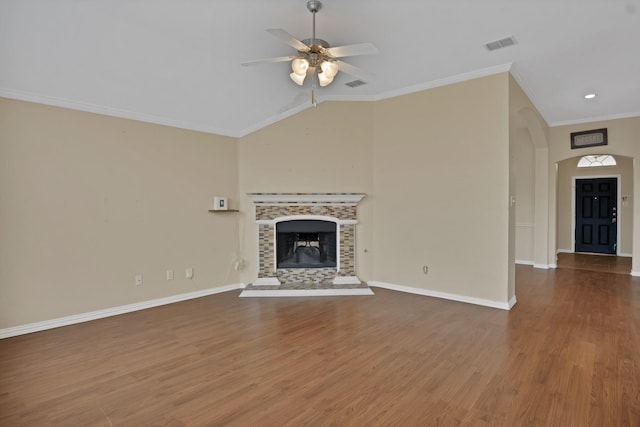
(441, 183)
(89, 201)
(567, 169)
(529, 137)
(326, 149)
(524, 159)
(623, 140)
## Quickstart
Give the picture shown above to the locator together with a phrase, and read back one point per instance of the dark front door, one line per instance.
(596, 215)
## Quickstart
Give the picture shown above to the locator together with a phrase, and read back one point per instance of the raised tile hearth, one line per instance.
(306, 242)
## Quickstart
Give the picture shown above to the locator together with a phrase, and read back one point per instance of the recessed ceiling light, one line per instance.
(590, 96)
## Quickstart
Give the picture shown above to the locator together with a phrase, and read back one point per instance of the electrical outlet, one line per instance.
(138, 279)
(189, 273)
(169, 274)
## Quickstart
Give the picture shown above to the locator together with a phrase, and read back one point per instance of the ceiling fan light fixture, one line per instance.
(324, 80)
(300, 66)
(329, 69)
(297, 78)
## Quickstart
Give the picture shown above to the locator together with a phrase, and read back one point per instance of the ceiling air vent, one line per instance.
(356, 83)
(499, 44)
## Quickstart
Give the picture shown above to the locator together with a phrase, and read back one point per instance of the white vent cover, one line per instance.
(499, 44)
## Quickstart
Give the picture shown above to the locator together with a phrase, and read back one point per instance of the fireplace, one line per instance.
(305, 243)
(306, 238)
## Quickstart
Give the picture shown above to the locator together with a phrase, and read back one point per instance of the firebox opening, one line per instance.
(306, 244)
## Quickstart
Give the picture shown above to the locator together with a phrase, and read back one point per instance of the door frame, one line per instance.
(573, 207)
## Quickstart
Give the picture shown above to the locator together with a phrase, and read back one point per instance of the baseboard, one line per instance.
(635, 273)
(108, 312)
(445, 295)
(626, 255)
(533, 264)
(564, 251)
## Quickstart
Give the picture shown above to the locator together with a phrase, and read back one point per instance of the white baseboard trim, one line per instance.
(626, 255)
(541, 266)
(553, 265)
(635, 273)
(304, 292)
(114, 311)
(564, 251)
(512, 302)
(445, 295)
(533, 264)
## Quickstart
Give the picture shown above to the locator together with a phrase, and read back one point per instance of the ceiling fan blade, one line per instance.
(268, 60)
(355, 71)
(288, 39)
(353, 50)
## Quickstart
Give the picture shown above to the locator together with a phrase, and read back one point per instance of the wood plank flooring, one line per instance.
(593, 262)
(568, 354)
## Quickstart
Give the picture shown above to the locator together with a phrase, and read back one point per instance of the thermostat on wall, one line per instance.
(220, 204)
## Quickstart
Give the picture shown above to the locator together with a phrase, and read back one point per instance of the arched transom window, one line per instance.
(596, 160)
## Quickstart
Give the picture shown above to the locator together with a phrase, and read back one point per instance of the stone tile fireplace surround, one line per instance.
(274, 208)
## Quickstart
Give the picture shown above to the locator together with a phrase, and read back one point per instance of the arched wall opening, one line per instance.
(567, 173)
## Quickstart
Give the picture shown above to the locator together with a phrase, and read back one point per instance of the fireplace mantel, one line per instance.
(349, 199)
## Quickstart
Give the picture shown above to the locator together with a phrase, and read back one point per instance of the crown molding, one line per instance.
(112, 112)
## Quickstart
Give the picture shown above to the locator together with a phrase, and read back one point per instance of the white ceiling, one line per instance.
(178, 62)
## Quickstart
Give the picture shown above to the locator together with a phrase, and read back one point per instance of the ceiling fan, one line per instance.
(316, 59)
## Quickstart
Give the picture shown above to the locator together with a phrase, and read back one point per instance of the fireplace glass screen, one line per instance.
(306, 244)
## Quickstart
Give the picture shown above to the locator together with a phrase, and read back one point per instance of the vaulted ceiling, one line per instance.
(178, 62)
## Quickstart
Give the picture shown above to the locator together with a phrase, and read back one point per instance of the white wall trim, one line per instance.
(595, 119)
(564, 251)
(542, 266)
(472, 75)
(114, 311)
(444, 295)
(626, 255)
(635, 273)
(115, 112)
(524, 262)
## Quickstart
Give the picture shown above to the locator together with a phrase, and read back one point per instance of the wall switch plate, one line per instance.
(138, 279)
(189, 273)
(169, 274)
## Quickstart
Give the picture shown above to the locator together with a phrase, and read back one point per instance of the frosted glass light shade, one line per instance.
(323, 79)
(329, 69)
(300, 66)
(297, 78)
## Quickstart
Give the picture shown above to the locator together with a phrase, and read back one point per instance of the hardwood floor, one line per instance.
(593, 262)
(568, 354)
